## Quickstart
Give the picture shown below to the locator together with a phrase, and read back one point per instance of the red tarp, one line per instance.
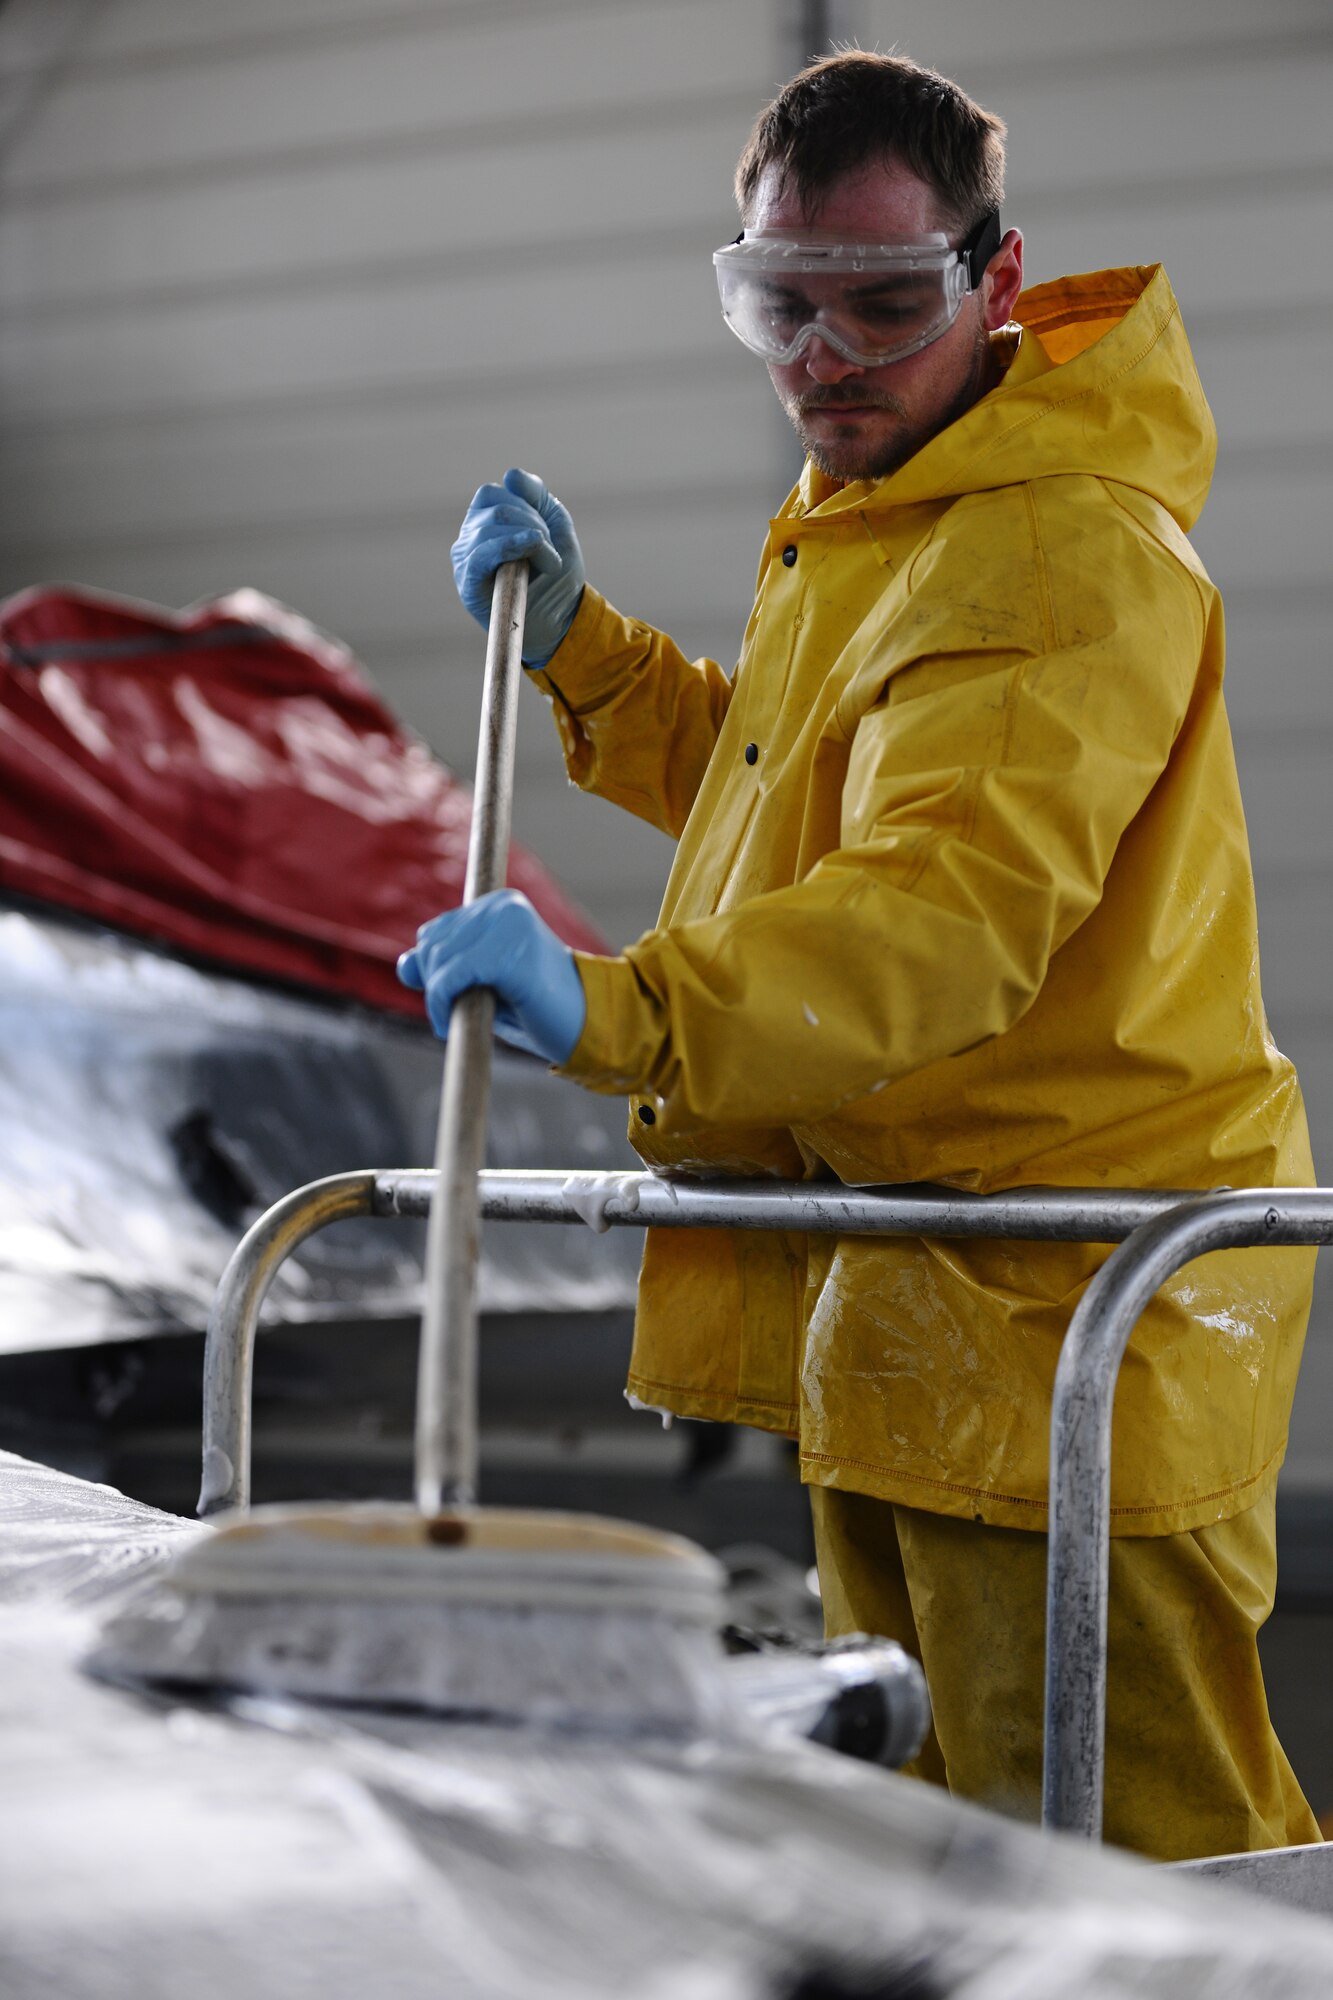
(226, 780)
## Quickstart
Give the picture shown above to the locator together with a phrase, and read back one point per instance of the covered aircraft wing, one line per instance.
(277, 1848)
(225, 780)
(152, 1109)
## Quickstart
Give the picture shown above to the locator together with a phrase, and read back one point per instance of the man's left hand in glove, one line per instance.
(499, 941)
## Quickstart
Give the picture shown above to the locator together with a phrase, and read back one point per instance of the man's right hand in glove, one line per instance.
(520, 519)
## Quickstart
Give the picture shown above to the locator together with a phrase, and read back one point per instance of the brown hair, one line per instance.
(846, 109)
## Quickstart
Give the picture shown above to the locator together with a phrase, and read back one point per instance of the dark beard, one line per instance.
(879, 460)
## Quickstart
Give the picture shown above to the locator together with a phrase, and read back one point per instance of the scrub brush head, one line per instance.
(500, 1614)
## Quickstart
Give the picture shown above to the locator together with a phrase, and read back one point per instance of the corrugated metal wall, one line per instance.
(281, 281)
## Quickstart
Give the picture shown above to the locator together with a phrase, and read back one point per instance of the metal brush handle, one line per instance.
(446, 1430)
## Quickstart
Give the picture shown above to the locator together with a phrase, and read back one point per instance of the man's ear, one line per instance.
(1002, 281)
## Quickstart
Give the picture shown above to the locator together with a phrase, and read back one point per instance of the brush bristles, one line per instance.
(503, 1613)
(579, 1669)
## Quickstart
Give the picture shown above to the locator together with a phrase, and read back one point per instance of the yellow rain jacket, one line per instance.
(962, 894)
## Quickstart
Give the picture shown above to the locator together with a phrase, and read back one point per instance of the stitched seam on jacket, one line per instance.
(1050, 637)
(1050, 628)
(713, 1395)
(1023, 1500)
(1165, 550)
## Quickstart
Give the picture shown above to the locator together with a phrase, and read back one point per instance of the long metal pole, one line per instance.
(1079, 1556)
(446, 1423)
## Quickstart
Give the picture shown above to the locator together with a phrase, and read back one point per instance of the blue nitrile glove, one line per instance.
(499, 941)
(521, 518)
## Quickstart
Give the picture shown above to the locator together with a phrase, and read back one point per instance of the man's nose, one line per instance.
(825, 365)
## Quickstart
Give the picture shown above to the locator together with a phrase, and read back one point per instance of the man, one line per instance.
(962, 894)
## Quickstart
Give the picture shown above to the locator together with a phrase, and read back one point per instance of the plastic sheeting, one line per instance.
(154, 1848)
(151, 1110)
(226, 780)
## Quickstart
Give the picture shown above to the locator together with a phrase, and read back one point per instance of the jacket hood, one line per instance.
(1103, 383)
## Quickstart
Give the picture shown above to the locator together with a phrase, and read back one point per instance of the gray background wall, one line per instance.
(282, 280)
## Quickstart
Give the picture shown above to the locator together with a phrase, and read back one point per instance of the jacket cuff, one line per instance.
(623, 1031)
(587, 667)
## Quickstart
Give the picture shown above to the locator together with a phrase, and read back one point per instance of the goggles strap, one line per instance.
(979, 246)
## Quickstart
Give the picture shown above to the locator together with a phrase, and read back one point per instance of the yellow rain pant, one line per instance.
(1192, 1764)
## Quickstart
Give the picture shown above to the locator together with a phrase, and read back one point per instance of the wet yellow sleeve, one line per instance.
(984, 800)
(637, 720)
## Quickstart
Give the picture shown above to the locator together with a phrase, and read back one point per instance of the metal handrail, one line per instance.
(1157, 1231)
(229, 1341)
(1078, 1553)
(1081, 1215)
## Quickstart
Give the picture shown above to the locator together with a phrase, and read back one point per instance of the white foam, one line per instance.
(590, 1199)
(219, 1476)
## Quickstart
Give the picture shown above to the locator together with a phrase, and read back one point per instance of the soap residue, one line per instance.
(219, 1476)
(651, 1409)
(590, 1198)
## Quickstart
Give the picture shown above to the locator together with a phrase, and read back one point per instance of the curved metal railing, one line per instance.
(1080, 1215)
(1157, 1231)
(1078, 1556)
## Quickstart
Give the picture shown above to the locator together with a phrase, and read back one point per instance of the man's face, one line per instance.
(863, 423)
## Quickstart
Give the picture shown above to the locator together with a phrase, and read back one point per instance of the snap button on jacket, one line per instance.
(984, 916)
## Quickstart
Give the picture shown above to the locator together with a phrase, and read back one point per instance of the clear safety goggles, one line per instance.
(869, 302)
